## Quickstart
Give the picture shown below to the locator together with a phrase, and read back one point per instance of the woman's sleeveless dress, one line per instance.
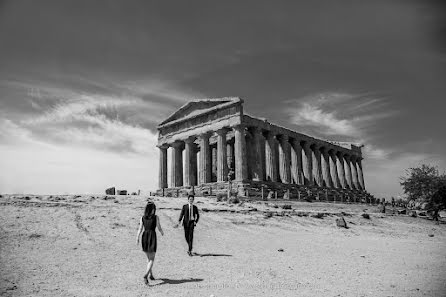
(148, 240)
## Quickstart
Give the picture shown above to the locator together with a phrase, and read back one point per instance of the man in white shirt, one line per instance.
(190, 216)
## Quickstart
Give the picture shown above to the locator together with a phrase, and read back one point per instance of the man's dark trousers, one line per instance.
(189, 233)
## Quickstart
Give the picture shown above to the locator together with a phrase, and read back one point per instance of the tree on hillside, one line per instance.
(426, 184)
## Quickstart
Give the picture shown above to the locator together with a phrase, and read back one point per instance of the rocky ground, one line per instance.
(85, 246)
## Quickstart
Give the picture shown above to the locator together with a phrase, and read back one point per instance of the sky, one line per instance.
(84, 84)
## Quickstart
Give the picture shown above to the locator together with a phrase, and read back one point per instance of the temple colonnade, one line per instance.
(243, 153)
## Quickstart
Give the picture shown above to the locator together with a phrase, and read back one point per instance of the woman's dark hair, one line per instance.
(150, 210)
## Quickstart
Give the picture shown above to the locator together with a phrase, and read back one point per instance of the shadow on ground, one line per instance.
(211, 255)
(177, 281)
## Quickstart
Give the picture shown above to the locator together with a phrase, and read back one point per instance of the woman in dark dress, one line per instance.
(148, 223)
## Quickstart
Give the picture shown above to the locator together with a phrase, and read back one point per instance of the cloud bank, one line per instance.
(72, 141)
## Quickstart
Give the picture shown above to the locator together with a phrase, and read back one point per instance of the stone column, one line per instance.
(348, 171)
(354, 172)
(213, 149)
(270, 156)
(284, 159)
(204, 174)
(190, 163)
(177, 164)
(230, 156)
(326, 172)
(317, 166)
(162, 178)
(222, 160)
(334, 169)
(340, 163)
(258, 170)
(241, 169)
(307, 161)
(360, 173)
(296, 162)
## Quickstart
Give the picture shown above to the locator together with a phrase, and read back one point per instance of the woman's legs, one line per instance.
(150, 259)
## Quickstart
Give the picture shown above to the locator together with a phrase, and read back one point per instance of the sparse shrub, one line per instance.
(234, 200)
(221, 197)
(366, 216)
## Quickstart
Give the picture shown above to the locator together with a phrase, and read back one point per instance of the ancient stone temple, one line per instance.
(214, 148)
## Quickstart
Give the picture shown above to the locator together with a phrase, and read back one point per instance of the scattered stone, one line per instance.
(11, 288)
(275, 206)
(366, 216)
(280, 250)
(319, 215)
(116, 201)
(268, 214)
(412, 213)
(422, 214)
(205, 209)
(110, 191)
(286, 206)
(431, 235)
(340, 222)
(403, 211)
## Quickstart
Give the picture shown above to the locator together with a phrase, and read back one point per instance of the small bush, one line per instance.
(286, 206)
(221, 197)
(234, 200)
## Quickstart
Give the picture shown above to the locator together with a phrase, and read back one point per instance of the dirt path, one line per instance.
(84, 246)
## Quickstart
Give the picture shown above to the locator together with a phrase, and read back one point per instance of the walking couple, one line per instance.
(150, 221)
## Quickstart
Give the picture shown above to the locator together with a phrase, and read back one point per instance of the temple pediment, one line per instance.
(198, 107)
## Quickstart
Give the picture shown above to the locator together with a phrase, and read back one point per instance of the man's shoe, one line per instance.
(189, 253)
(151, 277)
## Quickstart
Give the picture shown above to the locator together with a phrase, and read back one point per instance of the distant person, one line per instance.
(190, 216)
(148, 223)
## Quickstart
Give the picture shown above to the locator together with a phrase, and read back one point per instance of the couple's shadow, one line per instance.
(211, 255)
(177, 281)
(188, 280)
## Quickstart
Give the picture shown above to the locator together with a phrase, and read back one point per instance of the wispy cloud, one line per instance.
(355, 118)
(337, 114)
(72, 133)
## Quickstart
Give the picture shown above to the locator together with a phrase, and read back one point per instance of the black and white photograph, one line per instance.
(223, 148)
